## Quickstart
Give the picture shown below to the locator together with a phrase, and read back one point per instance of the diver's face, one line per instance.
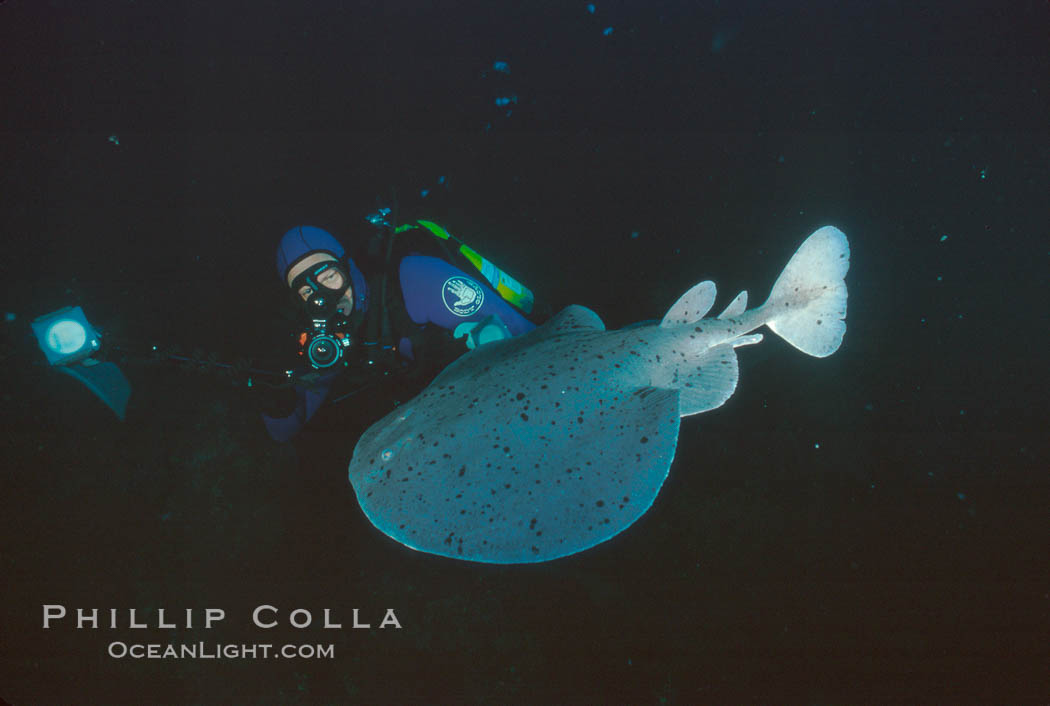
(333, 278)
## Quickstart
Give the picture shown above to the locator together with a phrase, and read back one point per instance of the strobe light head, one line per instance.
(65, 336)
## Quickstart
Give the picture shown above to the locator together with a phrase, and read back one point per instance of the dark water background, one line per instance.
(905, 558)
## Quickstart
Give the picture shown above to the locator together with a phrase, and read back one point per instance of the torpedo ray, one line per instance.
(544, 445)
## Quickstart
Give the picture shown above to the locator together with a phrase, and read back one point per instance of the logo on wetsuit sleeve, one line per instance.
(462, 295)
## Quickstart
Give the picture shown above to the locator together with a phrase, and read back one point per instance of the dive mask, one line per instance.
(323, 299)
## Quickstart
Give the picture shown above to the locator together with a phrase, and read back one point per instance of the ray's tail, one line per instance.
(807, 306)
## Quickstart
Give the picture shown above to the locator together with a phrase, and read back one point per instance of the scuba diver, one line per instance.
(399, 307)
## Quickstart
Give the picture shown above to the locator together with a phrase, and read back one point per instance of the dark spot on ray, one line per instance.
(645, 439)
(600, 503)
(520, 396)
(462, 470)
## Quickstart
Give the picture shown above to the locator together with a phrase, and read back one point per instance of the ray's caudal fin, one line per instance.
(807, 306)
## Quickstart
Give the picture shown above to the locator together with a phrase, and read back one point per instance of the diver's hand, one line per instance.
(481, 332)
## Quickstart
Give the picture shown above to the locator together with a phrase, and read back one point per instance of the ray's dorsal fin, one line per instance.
(574, 318)
(691, 306)
(736, 307)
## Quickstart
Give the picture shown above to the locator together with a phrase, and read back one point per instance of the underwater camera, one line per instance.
(323, 347)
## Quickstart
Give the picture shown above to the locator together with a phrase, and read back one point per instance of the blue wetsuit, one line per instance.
(435, 293)
(438, 293)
